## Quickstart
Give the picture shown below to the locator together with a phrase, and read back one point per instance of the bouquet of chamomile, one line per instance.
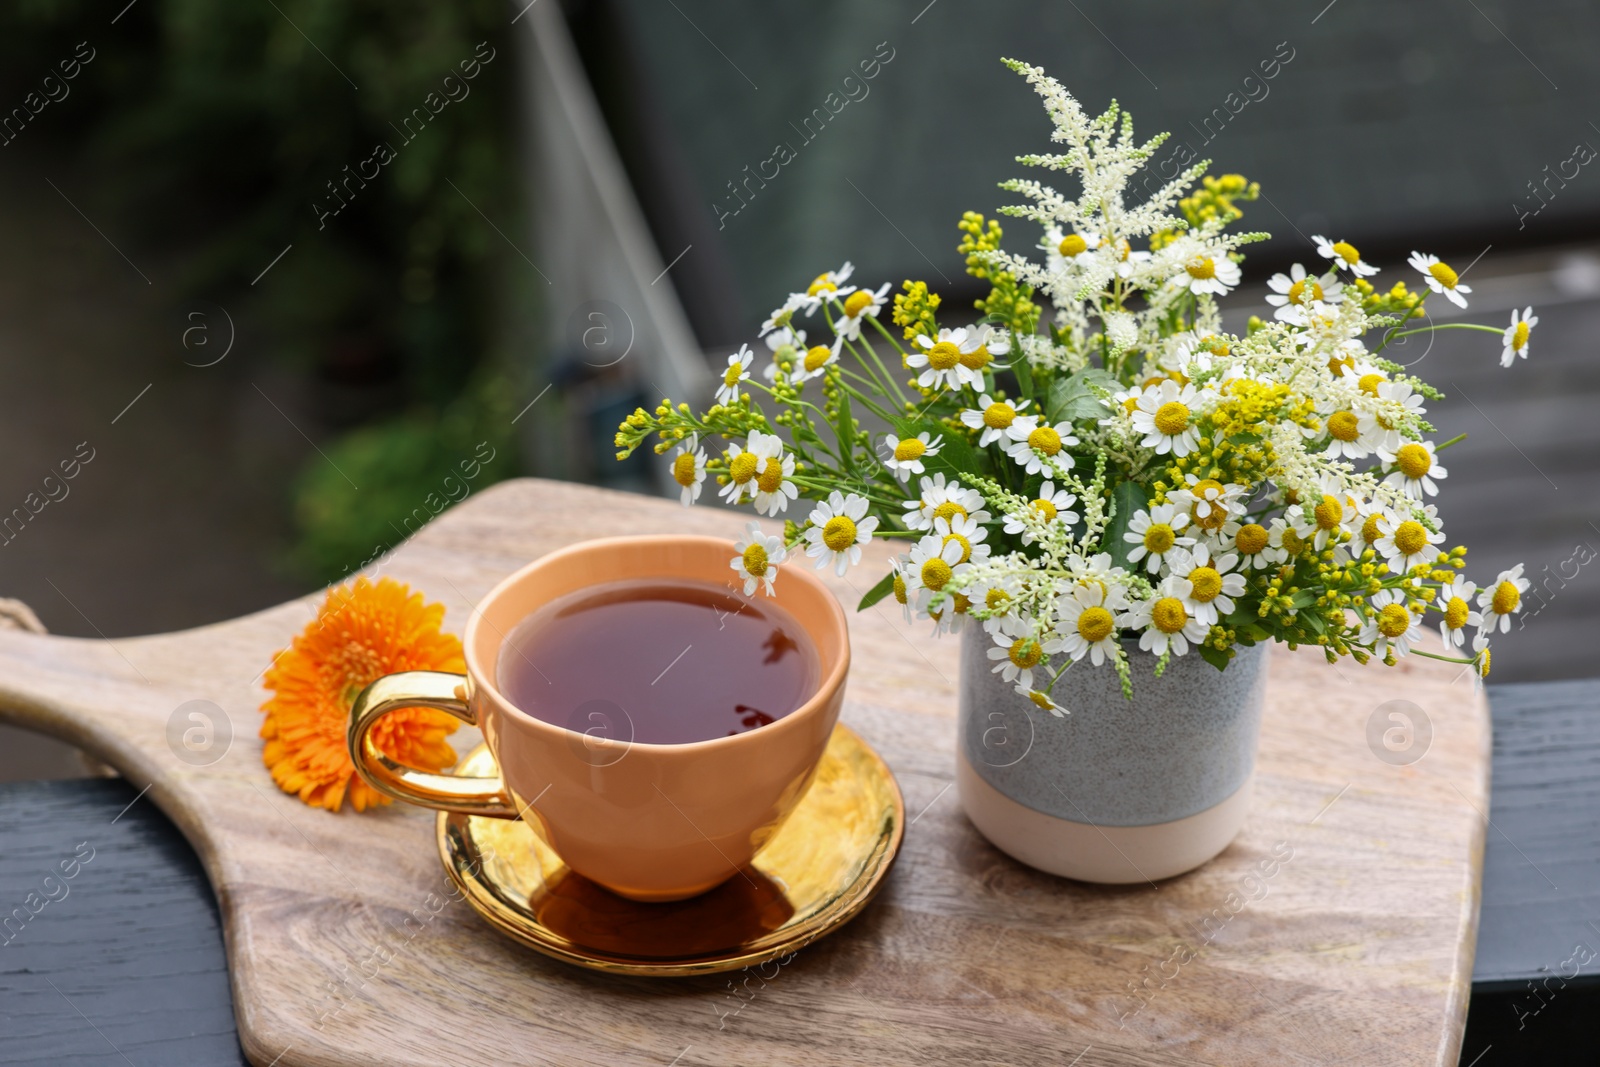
(1119, 476)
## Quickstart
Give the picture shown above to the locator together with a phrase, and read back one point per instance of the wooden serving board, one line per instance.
(1338, 928)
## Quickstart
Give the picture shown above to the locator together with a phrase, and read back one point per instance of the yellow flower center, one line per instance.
(1292, 542)
(1040, 700)
(1410, 538)
(1159, 538)
(1072, 245)
(1519, 337)
(683, 469)
(1169, 615)
(1172, 418)
(996, 599)
(999, 416)
(899, 587)
(1123, 249)
(1347, 252)
(1369, 529)
(1095, 624)
(1344, 425)
(755, 560)
(732, 375)
(1201, 267)
(966, 546)
(1216, 515)
(1251, 538)
(1337, 365)
(816, 356)
(1046, 509)
(977, 359)
(1483, 668)
(1369, 383)
(1443, 275)
(1329, 513)
(1455, 613)
(943, 356)
(1130, 405)
(962, 603)
(935, 573)
(909, 449)
(1297, 291)
(857, 302)
(948, 511)
(1207, 584)
(1393, 620)
(1026, 653)
(1413, 461)
(1216, 346)
(840, 533)
(822, 284)
(743, 467)
(1045, 440)
(1506, 599)
(771, 476)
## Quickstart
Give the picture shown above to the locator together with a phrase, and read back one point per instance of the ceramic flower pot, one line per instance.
(1120, 790)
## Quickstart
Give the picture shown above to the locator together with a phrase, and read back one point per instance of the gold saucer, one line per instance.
(815, 875)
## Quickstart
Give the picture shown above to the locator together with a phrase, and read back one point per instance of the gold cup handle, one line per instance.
(444, 792)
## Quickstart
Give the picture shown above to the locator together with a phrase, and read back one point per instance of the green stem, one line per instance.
(1443, 659)
(1447, 444)
(1497, 330)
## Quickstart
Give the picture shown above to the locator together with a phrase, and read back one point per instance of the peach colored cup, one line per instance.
(648, 821)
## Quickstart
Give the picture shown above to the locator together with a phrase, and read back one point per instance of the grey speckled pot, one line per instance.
(1172, 765)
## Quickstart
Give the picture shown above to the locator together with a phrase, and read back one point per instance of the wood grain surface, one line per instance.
(1339, 927)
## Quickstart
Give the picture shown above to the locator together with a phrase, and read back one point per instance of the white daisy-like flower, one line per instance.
(1165, 620)
(1087, 624)
(1032, 446)
(786, 343)
(782, 317)
(1345, 438)
(1405, 543)
(930, 565)
(941, 500)
(758, 559)
(940, 359)
(857, 306)
(1296, 291)
(829, 285)
(1344, 256)
(965, 533)
(689, 469)
(1440, 278)
(1516, 336)
(1392, 623)
(1416, 469)
(1061, 248)
(1208, 272)
(1380, 424)
(816, 359)
(906, 454)
(1041, 700)
(1213, 582)
(1051, 505)
(996, 593)
(1499, 602)
(838, 530)
(1259, 546)
(996, 417)
(990, 341)
(738, 371)
(1319, 521)
(1128, 261)
(1164, 413)
(746, 464)
(1017, 652)
(773, 487)
(1155, 534)
(1364, 530)
(1211, 504)
(1455, 607)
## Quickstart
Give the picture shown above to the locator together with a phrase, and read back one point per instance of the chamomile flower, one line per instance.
(786, 344)
(689, 469)
(942, 500)
(1211, 504)
(1041, 700)
(1345, 438)
(1455, 607)
(829, 285)
(857, 306)
(996, 417)
(996, 593)
(1051, 505)
(738, 371)
(1344, 256)
(839, 527)
(773, 487)
(941, 362)
(1499, 602)
(1061, 248)
(1017, 652)
(1260, 547)
(1416, 469)
(1516, 336)
(1213, 582)
(1087, 624)
(1405, 543)
(1296, 291)
(1440, 278)
(1035, 449)
(746, 464)
(930, 565)
(1380, 424)
(967, 534)
(782, 317)
(1155, 534)
(1208, 272)
(1128, 262)
(1391, 624)
(1165, 619)
(1164, 413)
(1364, 530)
(986, 341)
(758, 559)
(906, 454)
(817, 359)
(1319, 521)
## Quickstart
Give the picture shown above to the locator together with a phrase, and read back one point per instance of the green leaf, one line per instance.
(1216, 657)
(1024, 374)
(877, 592)
(1127, 498)
(1071, 398)
(844, 429)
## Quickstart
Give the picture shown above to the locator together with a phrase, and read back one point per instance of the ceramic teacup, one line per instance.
(647, 821)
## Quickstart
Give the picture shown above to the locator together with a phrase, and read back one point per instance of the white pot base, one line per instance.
(1113, 855)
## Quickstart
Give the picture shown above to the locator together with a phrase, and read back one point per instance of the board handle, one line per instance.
(443, 792)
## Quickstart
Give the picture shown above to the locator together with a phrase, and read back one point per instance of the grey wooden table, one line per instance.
(112, 950)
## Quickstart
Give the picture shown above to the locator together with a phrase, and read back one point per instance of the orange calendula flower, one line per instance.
(363, 632)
